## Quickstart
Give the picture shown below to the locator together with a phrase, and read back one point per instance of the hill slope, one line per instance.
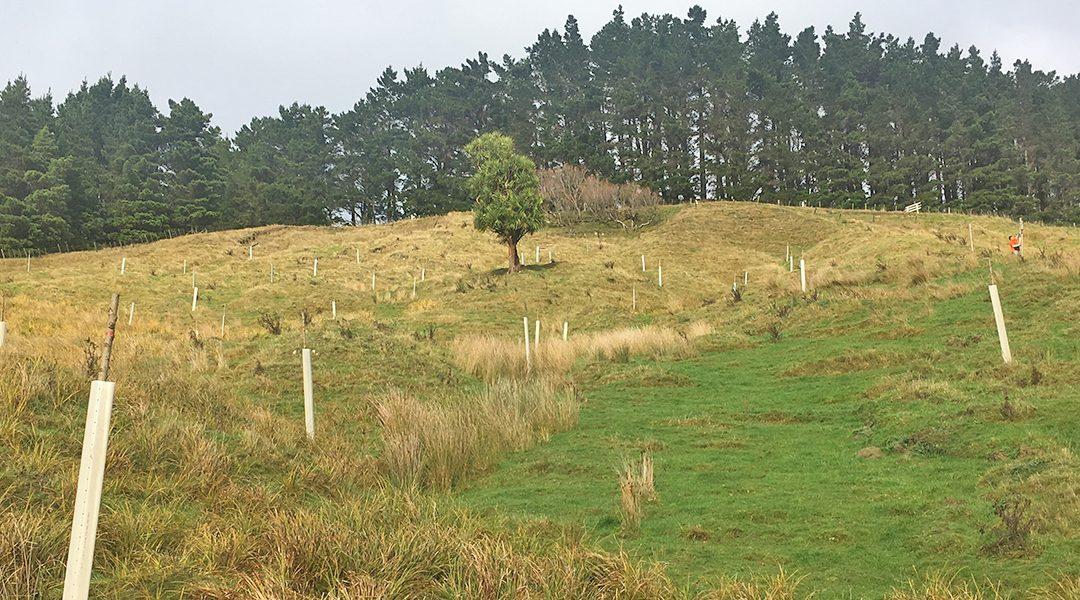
(753, 409)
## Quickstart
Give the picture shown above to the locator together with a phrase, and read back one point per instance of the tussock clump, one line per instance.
(912, 388)
(491, 358)
(1050, 478)
(862, 359)
(946, 587)
(439, 444)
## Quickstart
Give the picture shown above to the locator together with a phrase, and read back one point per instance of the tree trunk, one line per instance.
(515, 264)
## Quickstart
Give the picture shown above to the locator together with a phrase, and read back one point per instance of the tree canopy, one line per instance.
(692, 108)
(506, 189)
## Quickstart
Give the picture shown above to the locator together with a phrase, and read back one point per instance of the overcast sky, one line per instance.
(243, 58)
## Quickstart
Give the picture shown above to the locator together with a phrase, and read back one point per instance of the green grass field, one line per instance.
(754, 412)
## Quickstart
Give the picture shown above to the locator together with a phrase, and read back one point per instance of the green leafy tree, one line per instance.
(506, 191)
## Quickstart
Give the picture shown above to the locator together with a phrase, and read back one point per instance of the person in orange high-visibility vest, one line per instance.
(1016, 243)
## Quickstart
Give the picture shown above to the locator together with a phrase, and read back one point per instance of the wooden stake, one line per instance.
(802, 274)
(642, 263)
(185, 266)
(315, 267)
(110, 333)
(659, 274)
(551, 256)
(565, 330)
(633, 293)
(971, 238)
(271, 272)
(528, 355)
(333, 309)
(538, 255)
(123, 265)
(373, 281)
(414, 287)
(251, 252)
(27, 261)
(222, 335)
(423, 274)
(194, 299)
(999, 319)
(357, 255)
(744, 276)
(790, 263)
(131, 313)
(309, 396)
(536, 337)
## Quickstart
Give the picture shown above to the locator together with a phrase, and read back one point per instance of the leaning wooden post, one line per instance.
(91, 472)
(194, 299)
(802, 274)
(999, 318)
(309, 396)
(528, 355)
(565, 330)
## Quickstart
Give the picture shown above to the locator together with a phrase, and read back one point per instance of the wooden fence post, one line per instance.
(80, 557)
(999, 319)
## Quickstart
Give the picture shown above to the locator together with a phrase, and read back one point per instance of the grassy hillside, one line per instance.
(862, 437)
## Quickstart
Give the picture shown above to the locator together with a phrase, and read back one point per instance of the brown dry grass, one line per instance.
(439, 444)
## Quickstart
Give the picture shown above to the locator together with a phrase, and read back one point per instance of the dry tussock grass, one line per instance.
(437, 445)
(491, 358)
(946, 587)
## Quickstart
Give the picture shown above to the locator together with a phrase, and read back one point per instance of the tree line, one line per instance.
(689, 107)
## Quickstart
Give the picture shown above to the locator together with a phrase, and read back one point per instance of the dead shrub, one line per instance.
(271, 322)
(571, 195)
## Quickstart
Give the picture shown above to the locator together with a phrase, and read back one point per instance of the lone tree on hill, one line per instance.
(507, 192)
